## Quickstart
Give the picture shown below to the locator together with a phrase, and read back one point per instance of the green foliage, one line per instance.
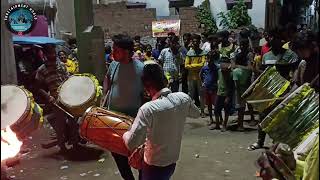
(236, 17)
(205, 17)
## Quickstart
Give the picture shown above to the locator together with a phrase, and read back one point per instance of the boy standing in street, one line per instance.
(224, 96)
(209, 77)
(195, 60)
(242, 76)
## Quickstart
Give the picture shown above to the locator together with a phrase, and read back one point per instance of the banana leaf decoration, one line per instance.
(269, 85)
(294, 118)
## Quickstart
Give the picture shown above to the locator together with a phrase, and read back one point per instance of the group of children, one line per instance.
(225, 78)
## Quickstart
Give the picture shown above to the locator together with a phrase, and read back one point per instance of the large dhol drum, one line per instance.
(79, 92)
(19, 111)
(295, 118)
(264, 92)
(105, 129)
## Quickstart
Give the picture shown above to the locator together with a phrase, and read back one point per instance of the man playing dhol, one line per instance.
(123, 81)
(159, 124)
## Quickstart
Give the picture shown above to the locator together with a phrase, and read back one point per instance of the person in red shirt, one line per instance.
(266, 47)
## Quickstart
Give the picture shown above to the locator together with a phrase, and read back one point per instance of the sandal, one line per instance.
(254, 146)
(209, 123)
(214, 127)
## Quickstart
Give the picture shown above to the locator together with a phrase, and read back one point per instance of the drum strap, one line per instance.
(107, 97)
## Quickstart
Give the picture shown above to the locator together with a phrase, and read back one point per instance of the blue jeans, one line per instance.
(156, 173)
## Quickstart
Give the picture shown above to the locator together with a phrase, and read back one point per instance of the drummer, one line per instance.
(49, 77)
(159, 124)
(123, 81)
(286, 62)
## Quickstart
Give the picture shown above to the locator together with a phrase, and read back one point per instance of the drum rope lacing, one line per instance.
(111, 127)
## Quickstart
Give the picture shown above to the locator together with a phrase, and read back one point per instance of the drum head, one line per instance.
(14, 103)
(76, 91)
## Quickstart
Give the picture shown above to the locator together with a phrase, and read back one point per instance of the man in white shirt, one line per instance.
(159, 125)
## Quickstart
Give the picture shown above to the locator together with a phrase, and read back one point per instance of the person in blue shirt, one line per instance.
(124, 84)
(161, 44)
(209, 78)
(107, 55)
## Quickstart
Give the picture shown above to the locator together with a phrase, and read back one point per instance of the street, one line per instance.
(205, 154)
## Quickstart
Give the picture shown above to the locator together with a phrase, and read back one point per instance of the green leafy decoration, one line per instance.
(205, 17)
(236, 17)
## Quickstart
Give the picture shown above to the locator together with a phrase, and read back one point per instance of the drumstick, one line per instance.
(264, 100)
(56, 105)
(314, 80)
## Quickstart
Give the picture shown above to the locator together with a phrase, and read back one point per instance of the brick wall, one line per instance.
(116, 18)
(189, 23)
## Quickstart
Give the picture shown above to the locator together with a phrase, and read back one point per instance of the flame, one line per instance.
(10, 144)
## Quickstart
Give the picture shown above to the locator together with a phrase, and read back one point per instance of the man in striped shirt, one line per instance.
(49, 77)
(170, 59)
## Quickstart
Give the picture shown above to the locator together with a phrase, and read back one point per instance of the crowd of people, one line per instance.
(177, 78)
(215, 69)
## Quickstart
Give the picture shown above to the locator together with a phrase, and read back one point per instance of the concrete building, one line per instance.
(257, 12)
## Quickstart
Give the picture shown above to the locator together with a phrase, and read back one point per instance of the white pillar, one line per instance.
(8, 64)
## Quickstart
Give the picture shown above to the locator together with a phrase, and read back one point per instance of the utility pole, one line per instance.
(90, 40)
(8, 62)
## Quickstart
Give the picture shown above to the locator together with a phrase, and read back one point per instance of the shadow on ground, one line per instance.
(82, 153)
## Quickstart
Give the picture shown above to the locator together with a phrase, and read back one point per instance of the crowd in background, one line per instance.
(215, 69)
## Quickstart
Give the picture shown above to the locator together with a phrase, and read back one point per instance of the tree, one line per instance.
(205, 17)
(236, 17)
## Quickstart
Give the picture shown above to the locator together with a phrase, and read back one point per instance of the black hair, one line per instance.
(186, 35)
(224, 34)
(241, 58)
(275, 33)
(245, 33)
(174, 39)
(244, 40)
(72, 41)
(123, 42)
(196, 36)
(301, 43)
(213, 37)
(62, 51)
(171, 34)
(153, 75)
(108, 49)
(137, 38)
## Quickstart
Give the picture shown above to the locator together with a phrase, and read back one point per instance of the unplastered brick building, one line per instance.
(135, 19)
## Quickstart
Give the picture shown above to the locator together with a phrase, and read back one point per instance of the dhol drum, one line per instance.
(266, 90)
(79, 92)
(19, 111)
(295, 118)
(105, 129)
